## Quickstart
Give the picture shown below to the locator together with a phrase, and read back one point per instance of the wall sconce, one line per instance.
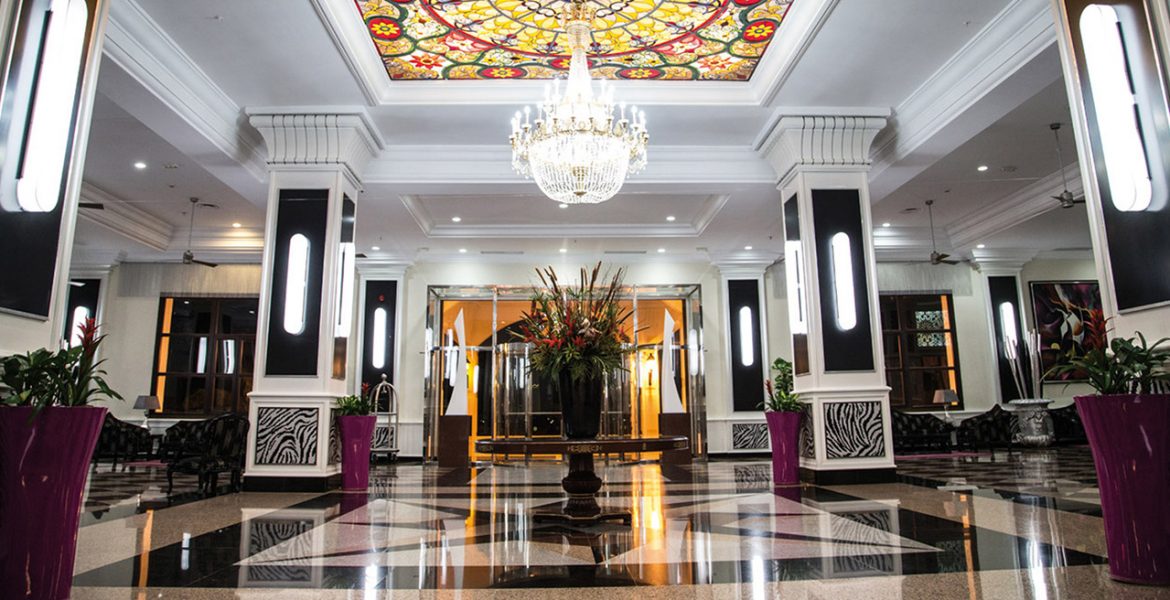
(46, 147)
(1008, 329)
(378, 360)
(1115, 108)
(844, 299)
(747, 337)
(792, 275)
(296, 284)
(649, 367)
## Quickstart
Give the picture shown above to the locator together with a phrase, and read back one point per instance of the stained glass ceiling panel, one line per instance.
(719, 40)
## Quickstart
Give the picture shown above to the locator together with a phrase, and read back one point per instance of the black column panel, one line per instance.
(800, 363)
(1004, 289)
(82, 292)
(341, 344)
(747, 382)
(305, 212)
(379, 294)
(1139, 248)
(839, 211)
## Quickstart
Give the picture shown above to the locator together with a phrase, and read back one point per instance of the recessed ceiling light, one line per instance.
(237, 225)
(463, 250)
(563, 205)
(564, 250)
(375, 248)
(139, 165)
(661, 250)
(670, 218)
(981, 168)
(747, 247)
(981, 246)
(885, 224)
(456, 219)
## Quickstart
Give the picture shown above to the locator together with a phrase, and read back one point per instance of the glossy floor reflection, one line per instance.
(711, 530)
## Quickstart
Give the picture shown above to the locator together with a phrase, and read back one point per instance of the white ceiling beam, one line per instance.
(1006, 213)
(1011, 59)
(124, 218)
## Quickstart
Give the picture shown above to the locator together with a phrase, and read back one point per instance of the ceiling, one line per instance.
(524, 39)
(179, 77)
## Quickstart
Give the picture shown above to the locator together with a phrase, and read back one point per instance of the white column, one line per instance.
(823, 164)
(315, 160)
(743, 430)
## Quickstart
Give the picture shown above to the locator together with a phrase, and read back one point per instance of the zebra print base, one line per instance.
(286, 436)
(286, 533)
(808, 441)
(854, 430)
(749, 436)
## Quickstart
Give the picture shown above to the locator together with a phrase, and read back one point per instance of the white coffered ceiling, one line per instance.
(964, 83)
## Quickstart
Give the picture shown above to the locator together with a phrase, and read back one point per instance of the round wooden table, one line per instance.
(582, 483)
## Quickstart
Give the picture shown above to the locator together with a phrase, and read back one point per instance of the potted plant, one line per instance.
(356, 426)
(1128, 425)
(47, 436)
(577, 339)
(783, 410)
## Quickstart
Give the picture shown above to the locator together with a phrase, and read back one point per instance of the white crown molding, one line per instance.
(223, 241)
(1019, 33)
(742, 264)
(125, 219)
(381, 268)
(1006, 213)
(347, 31)
(138, 45)
(1001, 261)
(303, 136)
(483, 164)
(820, 141)
(89, 263)
(707, 212)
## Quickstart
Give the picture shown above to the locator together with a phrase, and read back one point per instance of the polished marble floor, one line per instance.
(1019, 525)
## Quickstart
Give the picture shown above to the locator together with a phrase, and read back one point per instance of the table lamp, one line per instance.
(146, 404)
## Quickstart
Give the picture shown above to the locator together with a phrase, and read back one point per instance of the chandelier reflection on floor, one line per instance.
(574, 147)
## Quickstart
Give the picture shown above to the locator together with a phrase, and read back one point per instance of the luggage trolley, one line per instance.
(386, 429)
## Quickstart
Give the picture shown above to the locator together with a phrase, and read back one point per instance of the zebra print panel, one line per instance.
(286, 436)
(334, 439)
(752, 478)
(854, 430)
(808, 445)
(267, 533)
(383, 438)
(749, 436)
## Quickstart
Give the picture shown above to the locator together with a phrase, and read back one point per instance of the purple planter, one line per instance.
(43, 466)
(356, 432)
(1130, 439)
(784, 430)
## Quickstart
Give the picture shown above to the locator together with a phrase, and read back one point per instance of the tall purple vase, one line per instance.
(43, 466)
(784, 430)
(1130, 440)
(356, 433)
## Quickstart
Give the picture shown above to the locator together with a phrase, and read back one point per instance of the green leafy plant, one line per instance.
(353, 406)
(68, 377)
(781, 398)
(578, 329)
(1127, 366)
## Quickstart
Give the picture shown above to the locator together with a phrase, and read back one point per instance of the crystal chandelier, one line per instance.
(574, 147)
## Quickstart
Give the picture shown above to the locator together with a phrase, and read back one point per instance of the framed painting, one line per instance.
(1069, 318)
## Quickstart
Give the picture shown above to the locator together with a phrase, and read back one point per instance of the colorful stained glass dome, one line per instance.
(523, 39)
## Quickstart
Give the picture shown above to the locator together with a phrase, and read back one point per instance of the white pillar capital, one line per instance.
(306, 139)
(825, 142)
(1001, 261)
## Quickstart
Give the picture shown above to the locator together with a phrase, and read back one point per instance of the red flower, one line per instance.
(88, 330)
(759, 31)
(384, 29)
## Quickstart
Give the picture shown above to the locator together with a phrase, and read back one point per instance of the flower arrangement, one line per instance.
(1127, 366)
(577, 329)
(354, 405)
(68, 377)
(781, 398)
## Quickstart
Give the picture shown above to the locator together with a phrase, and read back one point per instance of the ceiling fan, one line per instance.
(936, 257)
(188, 255)
(1065, 198)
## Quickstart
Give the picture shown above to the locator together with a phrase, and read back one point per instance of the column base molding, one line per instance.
(286, 483)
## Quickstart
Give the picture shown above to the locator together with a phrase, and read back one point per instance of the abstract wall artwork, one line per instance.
(1069, 318)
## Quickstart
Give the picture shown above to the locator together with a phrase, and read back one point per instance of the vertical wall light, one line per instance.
(1008, 329)
(344, 321)
(429, 335)
(80, 314)
(797, 320)
(378, 358)
(46, 147)
(693, 350)
(201, 361)
(229, 356)
(844, 299)
(1115, 108)
(747, 337)
(296, 284)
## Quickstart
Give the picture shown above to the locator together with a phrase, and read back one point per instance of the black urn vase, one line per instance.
(580, 406)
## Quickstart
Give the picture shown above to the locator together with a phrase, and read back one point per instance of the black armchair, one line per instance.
(218, 446)
(917, 432)
(121, 440)
(995, 428)
(1067, 425)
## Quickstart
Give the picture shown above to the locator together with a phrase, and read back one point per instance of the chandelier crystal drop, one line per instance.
(575, 147)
